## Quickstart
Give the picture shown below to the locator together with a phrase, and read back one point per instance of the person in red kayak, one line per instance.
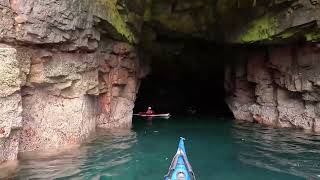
(149, 111)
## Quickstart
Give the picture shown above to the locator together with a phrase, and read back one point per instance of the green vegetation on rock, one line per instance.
(227, 21)
(113, 16)
(313, 36)
(260, 29)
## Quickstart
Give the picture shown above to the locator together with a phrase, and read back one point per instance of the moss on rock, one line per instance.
(232, 21)
(313, 36)
(260, 29)
(113, 16)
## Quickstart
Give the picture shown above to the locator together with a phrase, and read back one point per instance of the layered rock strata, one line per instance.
(62, 75)
(278, 87)
(53, 99)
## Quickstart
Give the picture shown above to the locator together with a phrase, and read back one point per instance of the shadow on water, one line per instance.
(217, 149)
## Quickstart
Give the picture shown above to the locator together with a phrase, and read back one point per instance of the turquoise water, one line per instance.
(217, 149)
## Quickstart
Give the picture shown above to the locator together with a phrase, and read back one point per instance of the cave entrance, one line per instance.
(186, 77)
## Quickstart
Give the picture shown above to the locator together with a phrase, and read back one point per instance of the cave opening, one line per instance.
(186, 77)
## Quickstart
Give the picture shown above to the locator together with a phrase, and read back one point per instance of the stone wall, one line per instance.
(278, 86)
(63, 72)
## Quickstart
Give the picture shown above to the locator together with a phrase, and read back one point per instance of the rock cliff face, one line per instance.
(68, 67)
(61, 74)
(278, 87)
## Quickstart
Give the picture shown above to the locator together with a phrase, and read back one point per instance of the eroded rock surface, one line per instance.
(234, 21)
(66, 94)
(64, 72)
(10, 103)
(121, 81)
(284, 86)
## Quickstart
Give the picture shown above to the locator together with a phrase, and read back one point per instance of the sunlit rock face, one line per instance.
(279, 87)
(66, 68)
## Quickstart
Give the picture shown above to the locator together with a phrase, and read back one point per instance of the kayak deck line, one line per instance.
(180, 168)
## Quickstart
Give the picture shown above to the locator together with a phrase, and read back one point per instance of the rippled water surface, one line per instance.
(217, 149)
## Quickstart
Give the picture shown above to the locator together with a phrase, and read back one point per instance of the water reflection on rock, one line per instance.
(111, 149)
(8, 169)
(282, 150)
(38, 165)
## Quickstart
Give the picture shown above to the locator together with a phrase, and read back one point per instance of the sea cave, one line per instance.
(77, 76)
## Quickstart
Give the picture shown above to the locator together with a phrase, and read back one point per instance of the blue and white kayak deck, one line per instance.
(180, 168)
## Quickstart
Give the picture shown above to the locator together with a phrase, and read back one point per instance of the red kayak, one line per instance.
(143, 114)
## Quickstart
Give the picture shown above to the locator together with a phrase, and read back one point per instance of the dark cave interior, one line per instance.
(187, 77)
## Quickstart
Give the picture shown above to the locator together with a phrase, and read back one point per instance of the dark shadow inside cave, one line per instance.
(186, 76)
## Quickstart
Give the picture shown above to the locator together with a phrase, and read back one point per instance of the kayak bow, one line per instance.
(180, 168)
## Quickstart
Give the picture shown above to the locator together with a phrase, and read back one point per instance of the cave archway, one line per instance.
(187, 77)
